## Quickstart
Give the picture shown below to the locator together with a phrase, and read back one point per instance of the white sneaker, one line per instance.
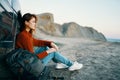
(75, 66)
(61, 66)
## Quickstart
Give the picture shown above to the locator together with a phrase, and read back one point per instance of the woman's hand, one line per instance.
(50, 50)
(53, 45)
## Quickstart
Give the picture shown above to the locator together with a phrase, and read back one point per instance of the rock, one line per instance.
(72, 30)
(46, 24)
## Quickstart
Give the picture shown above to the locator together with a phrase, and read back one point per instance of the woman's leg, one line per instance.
(55, 56)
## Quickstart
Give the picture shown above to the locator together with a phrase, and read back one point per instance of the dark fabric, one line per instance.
(26, 65)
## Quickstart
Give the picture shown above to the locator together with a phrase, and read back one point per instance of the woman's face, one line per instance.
(31, 23)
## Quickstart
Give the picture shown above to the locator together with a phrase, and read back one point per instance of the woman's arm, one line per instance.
(53, 45)
(37, 42)
(53, 48)
(50, 50)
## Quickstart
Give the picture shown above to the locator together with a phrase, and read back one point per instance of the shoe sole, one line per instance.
(61, 68)
(76, 69)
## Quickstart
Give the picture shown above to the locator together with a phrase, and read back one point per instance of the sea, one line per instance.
(113, 40)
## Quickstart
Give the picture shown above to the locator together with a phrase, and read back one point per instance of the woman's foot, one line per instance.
(75, 66)
(61, 66)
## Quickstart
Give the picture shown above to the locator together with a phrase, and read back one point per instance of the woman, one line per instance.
(46, 50)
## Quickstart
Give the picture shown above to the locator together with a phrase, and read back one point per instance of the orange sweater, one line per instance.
(25, 41)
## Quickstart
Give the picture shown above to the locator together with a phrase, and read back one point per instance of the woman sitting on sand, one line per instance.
(46, 50)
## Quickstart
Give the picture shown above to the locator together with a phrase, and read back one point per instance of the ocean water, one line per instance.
(113, 40)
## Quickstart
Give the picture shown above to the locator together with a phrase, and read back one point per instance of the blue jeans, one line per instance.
(55, 56)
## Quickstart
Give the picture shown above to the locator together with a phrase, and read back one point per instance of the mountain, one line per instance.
(47, 25)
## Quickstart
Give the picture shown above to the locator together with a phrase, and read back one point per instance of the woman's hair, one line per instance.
(26, 17)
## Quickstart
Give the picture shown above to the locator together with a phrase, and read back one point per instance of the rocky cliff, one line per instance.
(46, 24)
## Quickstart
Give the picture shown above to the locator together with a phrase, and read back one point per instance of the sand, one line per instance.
(101, 60)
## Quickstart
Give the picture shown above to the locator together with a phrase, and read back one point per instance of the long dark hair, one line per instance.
(26, 17)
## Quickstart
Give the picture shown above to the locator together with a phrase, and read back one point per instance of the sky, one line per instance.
(102, 15)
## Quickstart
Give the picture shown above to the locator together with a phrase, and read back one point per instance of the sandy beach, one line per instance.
(101, 60)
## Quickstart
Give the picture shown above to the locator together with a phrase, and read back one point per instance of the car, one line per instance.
(8, 22)
(10, 14)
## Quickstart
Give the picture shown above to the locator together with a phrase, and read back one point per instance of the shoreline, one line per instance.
(113, 40)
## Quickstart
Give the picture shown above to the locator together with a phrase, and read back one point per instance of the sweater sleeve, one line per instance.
(37, 42)
(42, 55)
(24, 42)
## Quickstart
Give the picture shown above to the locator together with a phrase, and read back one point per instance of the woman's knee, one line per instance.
(54, 54)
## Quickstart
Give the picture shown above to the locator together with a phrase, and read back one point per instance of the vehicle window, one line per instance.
(6, 24)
